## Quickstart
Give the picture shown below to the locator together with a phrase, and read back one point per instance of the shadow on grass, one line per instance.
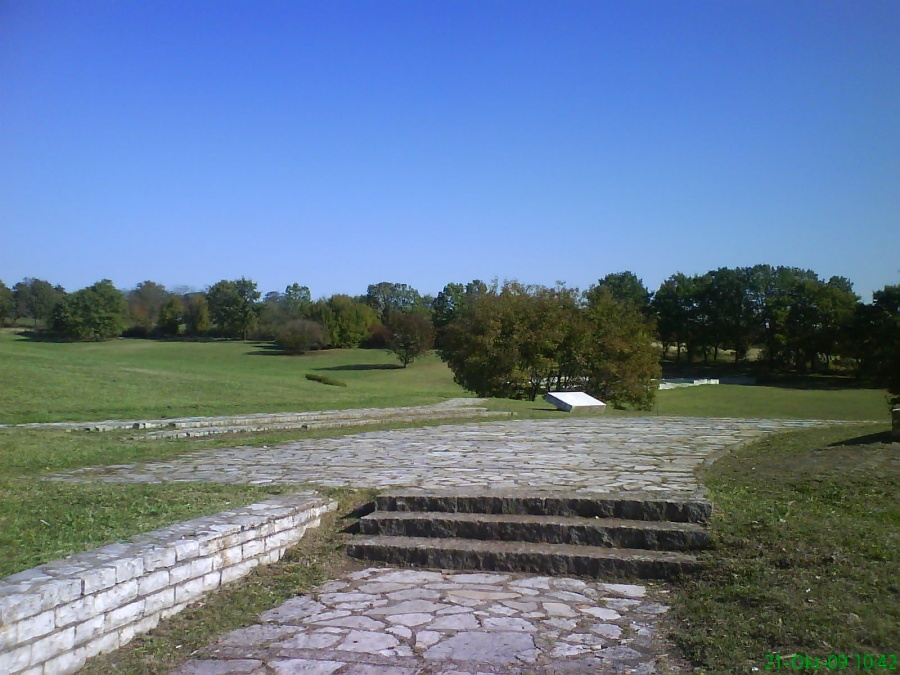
(267, 349)
(868, 439)
(365, 366)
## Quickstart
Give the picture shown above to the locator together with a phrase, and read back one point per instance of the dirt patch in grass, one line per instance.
(806, 556)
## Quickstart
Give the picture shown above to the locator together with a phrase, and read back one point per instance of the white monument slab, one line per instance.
(571, 400)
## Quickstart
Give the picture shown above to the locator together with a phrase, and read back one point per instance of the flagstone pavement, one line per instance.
(388, 621)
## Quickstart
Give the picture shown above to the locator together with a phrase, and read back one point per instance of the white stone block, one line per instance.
(172, 611)
(115, 597)
(271, 556)
(227, 557)
(9, 636)
(128, 568)
(153, 604)
(15, 660)
(146, 624)
(58, 592)
(157, 557)
(18, 606)
(99, 579)
(212, 581)
(150, 583)
(74, 612)
(35, 626)
(104, 644)
(229, 574)
(125, 615)
(53, 645)
(201, 566)
(186, 549)
(88, 630)
(189, 590)
(567, 401)
(252, 548)
(180, 573)
(69, 662)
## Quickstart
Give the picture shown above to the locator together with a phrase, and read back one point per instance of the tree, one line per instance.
(36, 299)
(298, 336)
(144, 304)
(7, 302)
(411, 336)
(346, 321)
(386, 297)
(232, 306)
(170, 316)
(196, 314)
(625, 287)
(93, 313)
(517, 340)
(450, 302)
(621, 361)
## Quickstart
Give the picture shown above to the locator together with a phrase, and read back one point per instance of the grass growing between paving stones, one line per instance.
(319, 556)
(807, 532)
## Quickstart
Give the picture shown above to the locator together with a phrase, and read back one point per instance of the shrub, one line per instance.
(300, 335)
(324, 379)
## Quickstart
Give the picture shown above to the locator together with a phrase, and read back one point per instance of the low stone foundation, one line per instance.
(56, 616)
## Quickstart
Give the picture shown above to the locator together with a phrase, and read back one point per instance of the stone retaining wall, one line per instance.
(56, 616)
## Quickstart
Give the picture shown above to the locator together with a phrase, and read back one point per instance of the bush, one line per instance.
(323, 379)
(300, 335)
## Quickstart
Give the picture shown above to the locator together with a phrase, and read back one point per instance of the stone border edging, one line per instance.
(56, 616)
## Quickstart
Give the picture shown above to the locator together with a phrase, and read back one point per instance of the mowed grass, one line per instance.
(807, 553)
(46, 381)
(728, 400)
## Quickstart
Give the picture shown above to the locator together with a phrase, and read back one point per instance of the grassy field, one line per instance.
(806, 530)
(46, 381)
(807, 553)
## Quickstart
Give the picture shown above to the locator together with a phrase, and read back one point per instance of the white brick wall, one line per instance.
(56, 616)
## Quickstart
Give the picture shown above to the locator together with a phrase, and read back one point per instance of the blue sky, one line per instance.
(338, 144)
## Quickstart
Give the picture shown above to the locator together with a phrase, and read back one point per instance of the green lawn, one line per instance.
(728, 400)
(46, 381)
(807, 553)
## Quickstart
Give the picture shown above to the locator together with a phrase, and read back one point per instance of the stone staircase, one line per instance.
(610, 535)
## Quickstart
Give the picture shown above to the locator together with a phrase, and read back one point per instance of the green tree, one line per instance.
(144, 304)
(196, 314)
(346, 321)
(298, 336)
(386, 297)
(36, 299)
(232, 306)
(168, 323)
(411, 336)
(621, 361)
(93, 313)
(7, 302)
(625, 287)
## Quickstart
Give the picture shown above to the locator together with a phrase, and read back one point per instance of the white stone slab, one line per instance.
(569, 400)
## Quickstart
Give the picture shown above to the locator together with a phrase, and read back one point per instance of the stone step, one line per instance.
(647, 506)
(605, 532)
(505, 556)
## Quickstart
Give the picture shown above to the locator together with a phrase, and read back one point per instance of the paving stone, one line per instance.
(367, 642)
(305, 667)
(493, 648)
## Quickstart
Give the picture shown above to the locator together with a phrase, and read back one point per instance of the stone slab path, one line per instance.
(383, 621)
(577, 453)
(403, 622)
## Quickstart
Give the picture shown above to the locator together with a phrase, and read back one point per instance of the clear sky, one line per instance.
(342, 143)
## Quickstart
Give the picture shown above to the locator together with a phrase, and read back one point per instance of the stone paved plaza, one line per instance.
(384, 621)
(577, 453)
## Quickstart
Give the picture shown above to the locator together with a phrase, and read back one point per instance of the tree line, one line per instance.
(609, 338)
